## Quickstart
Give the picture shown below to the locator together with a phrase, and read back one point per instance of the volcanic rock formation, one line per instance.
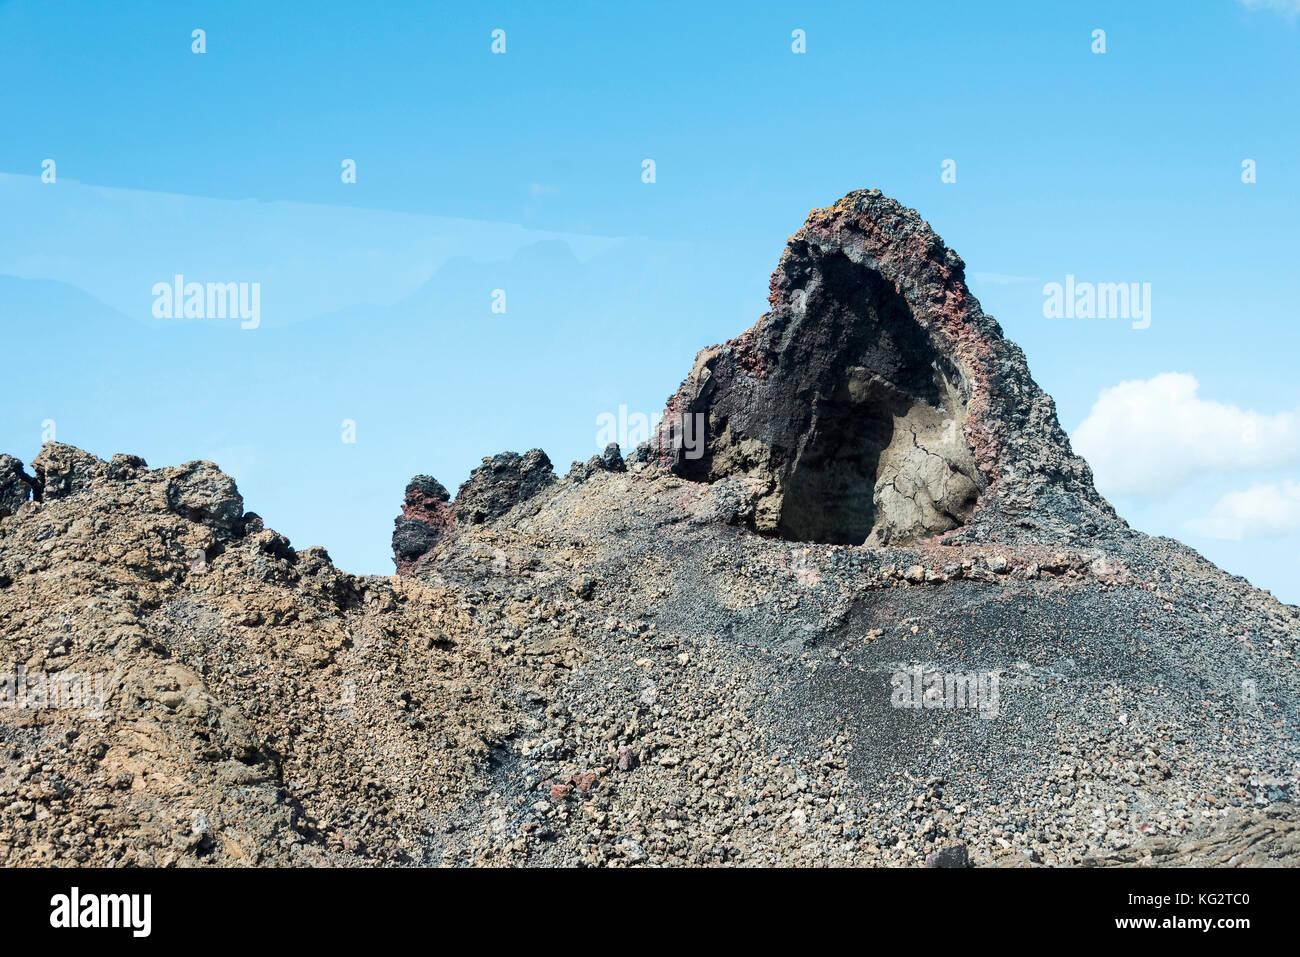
(885, 618)
(492, 489)
(876, 403)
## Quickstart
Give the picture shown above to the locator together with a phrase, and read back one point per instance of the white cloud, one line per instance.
(1145, 436)
(1260, 511)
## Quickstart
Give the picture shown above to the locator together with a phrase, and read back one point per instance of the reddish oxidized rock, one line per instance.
(561, 792)
(877, 403)
(429, 519)
(426, 517)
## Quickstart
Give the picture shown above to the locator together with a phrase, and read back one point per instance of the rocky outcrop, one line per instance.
(876, 403)
(426, 519)
(201, 492)
(198, 491)
(501, 483)
(493, 489)
(15, 485)
(63, 470)
(611, 460)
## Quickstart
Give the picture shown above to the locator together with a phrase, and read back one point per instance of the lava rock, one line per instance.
(427, 519)
(15, 485)
(63, 470)
(876, 403)
(501, 483)
(201, 492)
(956, 856)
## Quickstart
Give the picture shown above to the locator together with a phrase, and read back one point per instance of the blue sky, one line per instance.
(479, 171)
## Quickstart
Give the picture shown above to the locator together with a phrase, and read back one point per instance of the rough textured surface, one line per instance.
(1269, 838)
(258, 706)
(877, 403)
(501, 483)
(429, 519)
(664, 660)
(426, 518)
(15, 485)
